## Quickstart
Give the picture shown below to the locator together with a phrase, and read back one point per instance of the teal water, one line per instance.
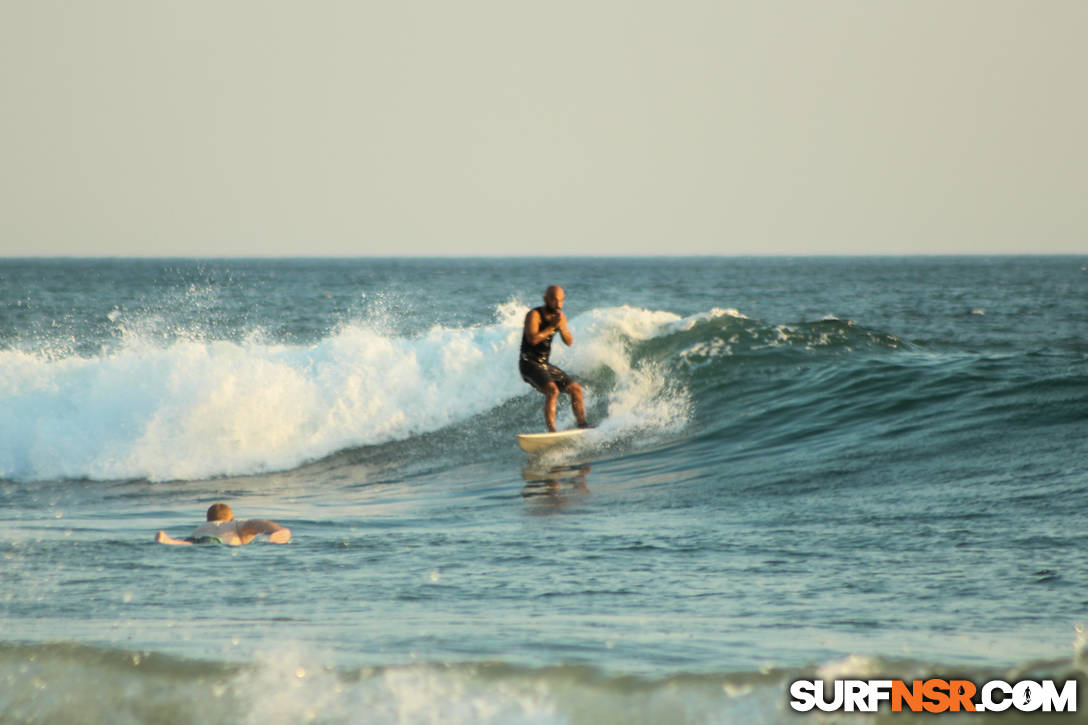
(800, 466)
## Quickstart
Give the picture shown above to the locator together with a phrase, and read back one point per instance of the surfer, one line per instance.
(541, 325)
(221, 528)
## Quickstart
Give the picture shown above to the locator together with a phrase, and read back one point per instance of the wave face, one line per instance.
(197, 408)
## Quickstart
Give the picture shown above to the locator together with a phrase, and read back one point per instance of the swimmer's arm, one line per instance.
(276, 534)
(163, 538)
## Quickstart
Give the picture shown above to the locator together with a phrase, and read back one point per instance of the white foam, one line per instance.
(645, 398)
(194, 408)
(290, 685)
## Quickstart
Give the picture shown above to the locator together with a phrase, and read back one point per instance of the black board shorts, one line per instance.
(540, 374)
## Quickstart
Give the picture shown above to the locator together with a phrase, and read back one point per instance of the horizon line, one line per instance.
(318, 257)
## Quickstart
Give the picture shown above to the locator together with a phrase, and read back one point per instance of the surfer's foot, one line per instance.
(584, 424)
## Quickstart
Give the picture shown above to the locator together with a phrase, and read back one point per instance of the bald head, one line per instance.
(553, 298)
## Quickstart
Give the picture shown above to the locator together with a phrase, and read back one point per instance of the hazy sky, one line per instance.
(322, 127)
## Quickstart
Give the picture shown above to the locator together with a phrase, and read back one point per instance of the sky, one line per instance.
(501, 127)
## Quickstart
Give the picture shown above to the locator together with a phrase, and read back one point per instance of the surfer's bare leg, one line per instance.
(551, 395)
(577, 403)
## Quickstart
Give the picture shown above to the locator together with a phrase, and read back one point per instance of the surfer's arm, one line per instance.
(533, 331)
(563, 330)
(254, 527)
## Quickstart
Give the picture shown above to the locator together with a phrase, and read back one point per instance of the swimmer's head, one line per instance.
(220, 512)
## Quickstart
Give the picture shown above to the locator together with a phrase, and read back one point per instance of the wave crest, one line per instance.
(192, 408)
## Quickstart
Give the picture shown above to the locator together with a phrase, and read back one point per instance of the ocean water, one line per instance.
(802, 467)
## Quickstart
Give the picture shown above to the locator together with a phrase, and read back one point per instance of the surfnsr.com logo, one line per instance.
(933, 695)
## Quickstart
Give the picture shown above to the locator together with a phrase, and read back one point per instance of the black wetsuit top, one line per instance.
(539, 352)
(534, 366)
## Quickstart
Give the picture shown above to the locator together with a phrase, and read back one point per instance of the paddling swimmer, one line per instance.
(541, 325)
(221, 528)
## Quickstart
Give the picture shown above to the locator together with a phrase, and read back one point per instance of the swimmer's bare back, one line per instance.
(231, 533)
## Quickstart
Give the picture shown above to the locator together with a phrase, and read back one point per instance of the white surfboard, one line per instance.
(536, 442)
